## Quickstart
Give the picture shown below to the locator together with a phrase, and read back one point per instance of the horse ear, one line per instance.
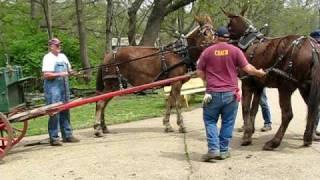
(197, 18)
(209, 20)
(244, 9)
(228, 14)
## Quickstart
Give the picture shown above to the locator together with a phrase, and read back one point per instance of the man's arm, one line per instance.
(51, 75)
(201, 74)
(251, 70)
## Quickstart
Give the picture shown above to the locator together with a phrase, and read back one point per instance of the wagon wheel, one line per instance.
(19, 131)
(6, 135)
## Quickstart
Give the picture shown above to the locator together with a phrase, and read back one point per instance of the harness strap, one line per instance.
(251, 56)
(164, 66)
(168, 70)
(118, 75)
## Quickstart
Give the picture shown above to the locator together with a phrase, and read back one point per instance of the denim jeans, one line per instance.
(265, 108)
(57, 90)
(224, 104)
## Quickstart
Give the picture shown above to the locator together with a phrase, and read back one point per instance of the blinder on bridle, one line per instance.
(205, 28)
(248, 36)
(250, 28)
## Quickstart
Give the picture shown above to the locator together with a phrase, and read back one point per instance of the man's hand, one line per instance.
(206, 99)
(74, 73)
(63, 74)
(251, 70)
(261, 73)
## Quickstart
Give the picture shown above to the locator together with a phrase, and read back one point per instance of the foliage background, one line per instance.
(25, 39)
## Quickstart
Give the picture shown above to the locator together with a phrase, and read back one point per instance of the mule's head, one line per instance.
(238, 25)
(203, 34)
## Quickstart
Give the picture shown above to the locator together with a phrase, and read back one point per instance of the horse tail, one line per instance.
(314, 95)
(99, 80)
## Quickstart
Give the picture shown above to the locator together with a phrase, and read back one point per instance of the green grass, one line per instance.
(120, 110)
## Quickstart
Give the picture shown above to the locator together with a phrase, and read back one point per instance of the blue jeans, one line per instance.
(265, 108)
(224, 104)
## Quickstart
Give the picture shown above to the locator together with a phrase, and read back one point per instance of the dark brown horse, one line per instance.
(142, 65)
(292, 62)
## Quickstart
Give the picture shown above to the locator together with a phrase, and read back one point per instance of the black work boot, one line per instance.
(55, 143)
(210, 156)
(71, 139)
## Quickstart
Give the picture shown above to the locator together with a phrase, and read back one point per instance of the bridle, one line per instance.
(204, 28)
(250, 28)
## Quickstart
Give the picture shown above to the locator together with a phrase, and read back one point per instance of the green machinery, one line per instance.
(11, 88)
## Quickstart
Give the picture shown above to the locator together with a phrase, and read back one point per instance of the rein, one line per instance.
(166, 51)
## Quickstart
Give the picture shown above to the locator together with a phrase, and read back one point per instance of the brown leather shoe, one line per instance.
(55, 143)
(71, 139)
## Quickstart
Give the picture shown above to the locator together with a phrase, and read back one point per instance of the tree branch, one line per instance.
(176, 5)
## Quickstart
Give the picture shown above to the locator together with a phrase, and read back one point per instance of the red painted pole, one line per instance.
(131, 90)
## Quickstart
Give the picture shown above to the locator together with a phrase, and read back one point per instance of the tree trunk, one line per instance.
(132, 13)
(82, 37)
(161, 9)
(109, 14)
(33, 9)
(47, 13)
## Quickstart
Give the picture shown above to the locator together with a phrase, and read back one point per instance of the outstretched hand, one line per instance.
(261, 73)
(74, 73)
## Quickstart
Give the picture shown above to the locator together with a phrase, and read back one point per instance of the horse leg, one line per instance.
(100, 126)
(166, 118)
(305, 95)
(286, 116)
(104, 127)
(247, 126)
(176, 95)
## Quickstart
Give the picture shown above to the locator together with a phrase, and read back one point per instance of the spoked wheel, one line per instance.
(19, 131)
(6, 135)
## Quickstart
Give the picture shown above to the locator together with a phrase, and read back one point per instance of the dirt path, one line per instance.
(140, 150)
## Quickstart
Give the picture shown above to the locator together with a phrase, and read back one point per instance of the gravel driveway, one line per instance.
(141, 150)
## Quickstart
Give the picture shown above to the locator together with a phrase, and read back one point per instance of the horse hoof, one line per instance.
(307, 143)
(246, 143)
(98, 134)
(168, 129)
(105, 131)
(183, 130)
(270, 145)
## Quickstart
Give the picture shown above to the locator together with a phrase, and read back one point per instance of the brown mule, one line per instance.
(142, 65)
(292, 62)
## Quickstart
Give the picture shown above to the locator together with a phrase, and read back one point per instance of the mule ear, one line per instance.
(209, 20)
(197, 18)
(228, 14)
(244, 9)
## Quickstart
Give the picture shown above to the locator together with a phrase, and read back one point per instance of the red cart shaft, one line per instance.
(131, 90)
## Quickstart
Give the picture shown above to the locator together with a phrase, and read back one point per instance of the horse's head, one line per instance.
(203, 34)
(238, 25)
